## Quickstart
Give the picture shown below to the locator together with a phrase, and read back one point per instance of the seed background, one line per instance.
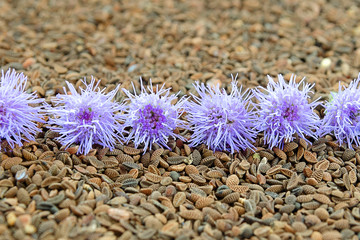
(177, 43)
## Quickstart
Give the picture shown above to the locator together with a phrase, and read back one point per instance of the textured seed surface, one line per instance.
(183, 187)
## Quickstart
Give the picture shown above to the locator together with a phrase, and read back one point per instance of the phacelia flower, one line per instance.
(152, 117)
(283, 110)
(221, 121)
(86, 118)
(342, 114)
(19, 111)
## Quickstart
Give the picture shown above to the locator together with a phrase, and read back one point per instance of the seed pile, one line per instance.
(308, 191)
(303, 191)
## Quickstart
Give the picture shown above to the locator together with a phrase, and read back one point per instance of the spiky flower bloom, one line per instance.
(86, 118)
(221, 121)
(152, 117)
(283, 110)
(342, 114)
(19, 111)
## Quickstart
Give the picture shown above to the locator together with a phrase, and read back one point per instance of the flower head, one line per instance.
(283, 110)
(87, 118)
(18, 115)
(221, 121)
(152, 116)
(342, 114)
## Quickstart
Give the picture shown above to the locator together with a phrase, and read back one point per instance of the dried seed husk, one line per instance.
(290, 146)
(231, 198)
(310, 157)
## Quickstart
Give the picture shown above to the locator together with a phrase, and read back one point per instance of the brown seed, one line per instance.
(214, 174)
(311, 181)
(153, 177)
(331, 235)
(191, 214)
(318, 175)
(300, 152)
(196, 156)
(275, 188)
(177, 168)
(307, 171)
(95, 162)
(352, 176)
(307, 189)
(208, 161)
(310, 157)
(156, 154)
(280, 153)
(62, 214)
(286, 172)
(28, 155)
(197, 178)
(231, 198)
(304, 198)
(322, 198)
(131, 165)
(293, 181)
(239, 189)
(342, 224)
(50, 180)
(179, 199)
(232, 180)
(95, 180)
(112, 173)
(290, 146)
(131, 151)
(9, 162)
(327, 177)
(348, 154)
(119, 214)
(191, 169)
(322, 213)
(265, 154)
(312, 205)
(322, 165)
(110, 163)
(346, 180)
(23, 196)
(204, 202)
(145, 159)
(124, 158)
(47, 154)
(274, 170)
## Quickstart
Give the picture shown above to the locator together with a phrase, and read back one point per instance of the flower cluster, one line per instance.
(19, 111)
(222, 121)
(283, 110)
(342, 114)
(152, 117)
(87, 118)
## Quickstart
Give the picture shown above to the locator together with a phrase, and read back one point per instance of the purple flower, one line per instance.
(87, 118)
(152, 117)
(18, 111)
(284, 110)
(221, 121)
(342, 114)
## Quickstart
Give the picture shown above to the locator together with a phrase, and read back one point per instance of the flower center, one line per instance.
(85, 114)
(151, 118)
(290, 113)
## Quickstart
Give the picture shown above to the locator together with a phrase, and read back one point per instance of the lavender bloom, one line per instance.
(342, 114)
(221, 121)
(284, 110)
(87, 118)
(18, 116)
(152, 117)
